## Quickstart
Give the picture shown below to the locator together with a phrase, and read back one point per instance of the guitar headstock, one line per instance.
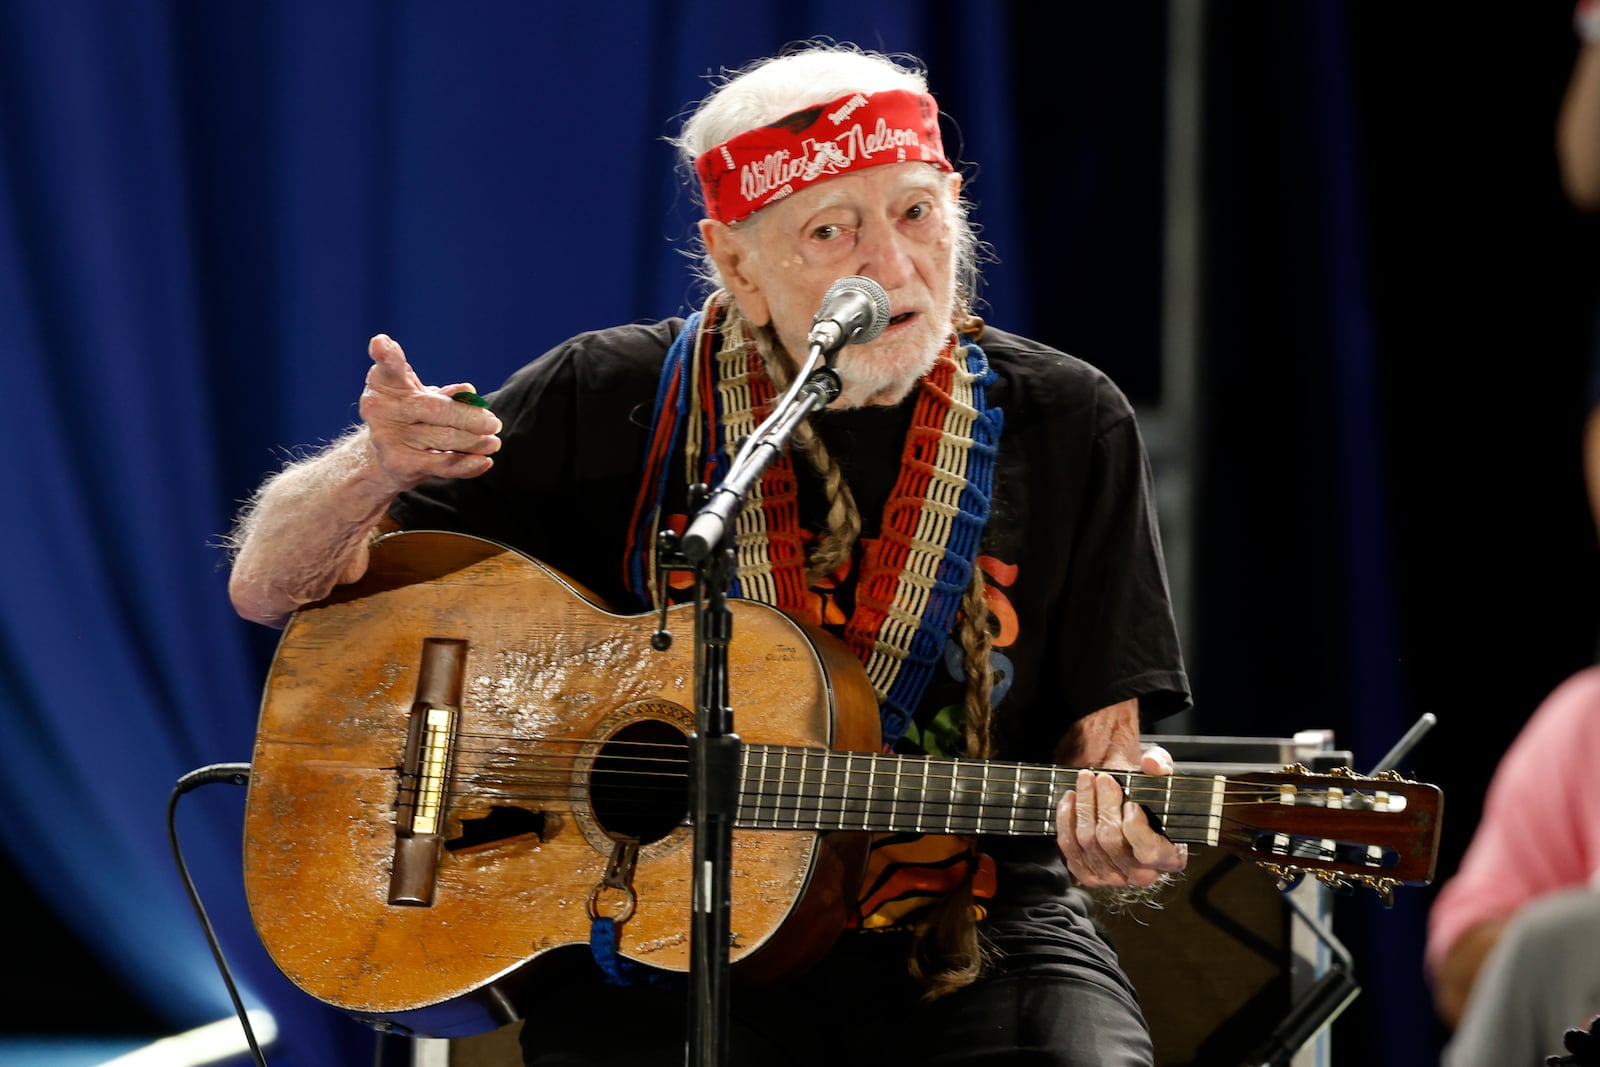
(1342, 828)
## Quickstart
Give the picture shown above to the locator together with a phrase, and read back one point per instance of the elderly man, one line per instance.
(954, 449)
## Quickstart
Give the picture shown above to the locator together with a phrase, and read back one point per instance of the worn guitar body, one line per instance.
(543, 680)
(462, 762)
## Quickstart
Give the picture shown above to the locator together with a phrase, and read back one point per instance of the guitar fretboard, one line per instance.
(793, 788)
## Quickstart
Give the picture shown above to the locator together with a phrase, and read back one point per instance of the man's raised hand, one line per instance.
(417, 432)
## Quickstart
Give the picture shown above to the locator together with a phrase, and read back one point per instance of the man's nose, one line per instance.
(885, 254)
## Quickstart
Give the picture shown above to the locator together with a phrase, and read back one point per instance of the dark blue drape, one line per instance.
(1392, 517)
(205, 210)
(1297, 530)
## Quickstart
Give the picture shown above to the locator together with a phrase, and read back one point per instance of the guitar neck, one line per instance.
(786, 787)
(1381, 831)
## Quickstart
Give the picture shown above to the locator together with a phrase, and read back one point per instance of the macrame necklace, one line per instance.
(911, 580)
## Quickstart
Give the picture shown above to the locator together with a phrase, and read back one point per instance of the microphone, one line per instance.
(854, 310)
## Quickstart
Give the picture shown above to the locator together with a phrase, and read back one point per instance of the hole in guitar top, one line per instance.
(500, 826)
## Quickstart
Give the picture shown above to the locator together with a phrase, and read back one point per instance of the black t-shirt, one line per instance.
(1071, 551)
(1075, 580)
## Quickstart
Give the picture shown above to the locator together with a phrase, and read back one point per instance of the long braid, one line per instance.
(844, 518)
(976, 640)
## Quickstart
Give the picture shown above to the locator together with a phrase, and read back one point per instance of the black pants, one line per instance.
(1053, 996)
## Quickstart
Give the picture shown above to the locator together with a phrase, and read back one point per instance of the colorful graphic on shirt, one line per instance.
(945, 733)
(908, 873)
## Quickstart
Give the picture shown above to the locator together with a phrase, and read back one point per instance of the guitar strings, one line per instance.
(797, 783)
(859, 782)
(601, 748)
(622, 780)
(642, 800)
(978, 817)
(644, 779)
(794, 783)
(831, 765)
(969, 816)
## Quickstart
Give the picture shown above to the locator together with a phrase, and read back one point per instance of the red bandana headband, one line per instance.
(858, 130)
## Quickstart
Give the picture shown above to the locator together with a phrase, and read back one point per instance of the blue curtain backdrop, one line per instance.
(1288, 271)
(206, 210)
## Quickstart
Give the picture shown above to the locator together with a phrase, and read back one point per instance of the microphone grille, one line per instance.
(875, 296)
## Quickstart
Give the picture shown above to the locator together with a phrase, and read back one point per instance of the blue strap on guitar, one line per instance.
(618, 969)
(618, 877)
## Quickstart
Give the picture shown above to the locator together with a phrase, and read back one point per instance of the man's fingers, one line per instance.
(1085, 828)
(417, 432)
(1067, 836)
(1107, 840)
(434, 410)
(470, 416)
(462, 465)
(1153, 852)
(416, 416)
(1155, 760)
(410, 455)
(438, 437)
(1108, 821)
(389, 367)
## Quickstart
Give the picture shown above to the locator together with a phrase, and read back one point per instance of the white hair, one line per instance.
(771, 89)
(813, 73)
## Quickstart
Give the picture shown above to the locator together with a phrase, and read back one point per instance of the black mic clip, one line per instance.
(824, 384)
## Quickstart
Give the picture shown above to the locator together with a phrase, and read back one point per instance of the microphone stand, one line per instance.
(816, 386)
(707, 548)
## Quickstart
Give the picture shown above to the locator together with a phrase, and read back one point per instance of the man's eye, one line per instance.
(827, 233)
(919, 210)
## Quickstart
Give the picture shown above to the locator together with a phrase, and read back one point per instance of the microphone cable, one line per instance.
(236, 774)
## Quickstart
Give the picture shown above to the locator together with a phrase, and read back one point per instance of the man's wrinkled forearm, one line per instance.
(307, 530)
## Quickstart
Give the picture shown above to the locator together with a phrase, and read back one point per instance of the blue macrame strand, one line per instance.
(674, 369)
(955, 571)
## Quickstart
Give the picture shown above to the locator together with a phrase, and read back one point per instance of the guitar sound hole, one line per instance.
(640, 786)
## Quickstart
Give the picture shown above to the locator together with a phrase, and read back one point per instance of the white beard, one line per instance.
(871, 376)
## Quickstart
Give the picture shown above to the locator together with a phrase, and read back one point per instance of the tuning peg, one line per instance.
(1287, 877)
(1384, 887)
(1336, 882)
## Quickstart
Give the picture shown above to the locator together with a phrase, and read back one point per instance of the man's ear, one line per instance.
(729, 252)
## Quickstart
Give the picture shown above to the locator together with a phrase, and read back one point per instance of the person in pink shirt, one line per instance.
(1539, 834)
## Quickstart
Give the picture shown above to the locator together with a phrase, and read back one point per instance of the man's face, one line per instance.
(892, 224)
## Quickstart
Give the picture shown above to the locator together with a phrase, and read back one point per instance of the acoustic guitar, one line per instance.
(462, 761)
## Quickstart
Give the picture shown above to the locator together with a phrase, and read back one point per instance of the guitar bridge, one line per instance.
(425, 772)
